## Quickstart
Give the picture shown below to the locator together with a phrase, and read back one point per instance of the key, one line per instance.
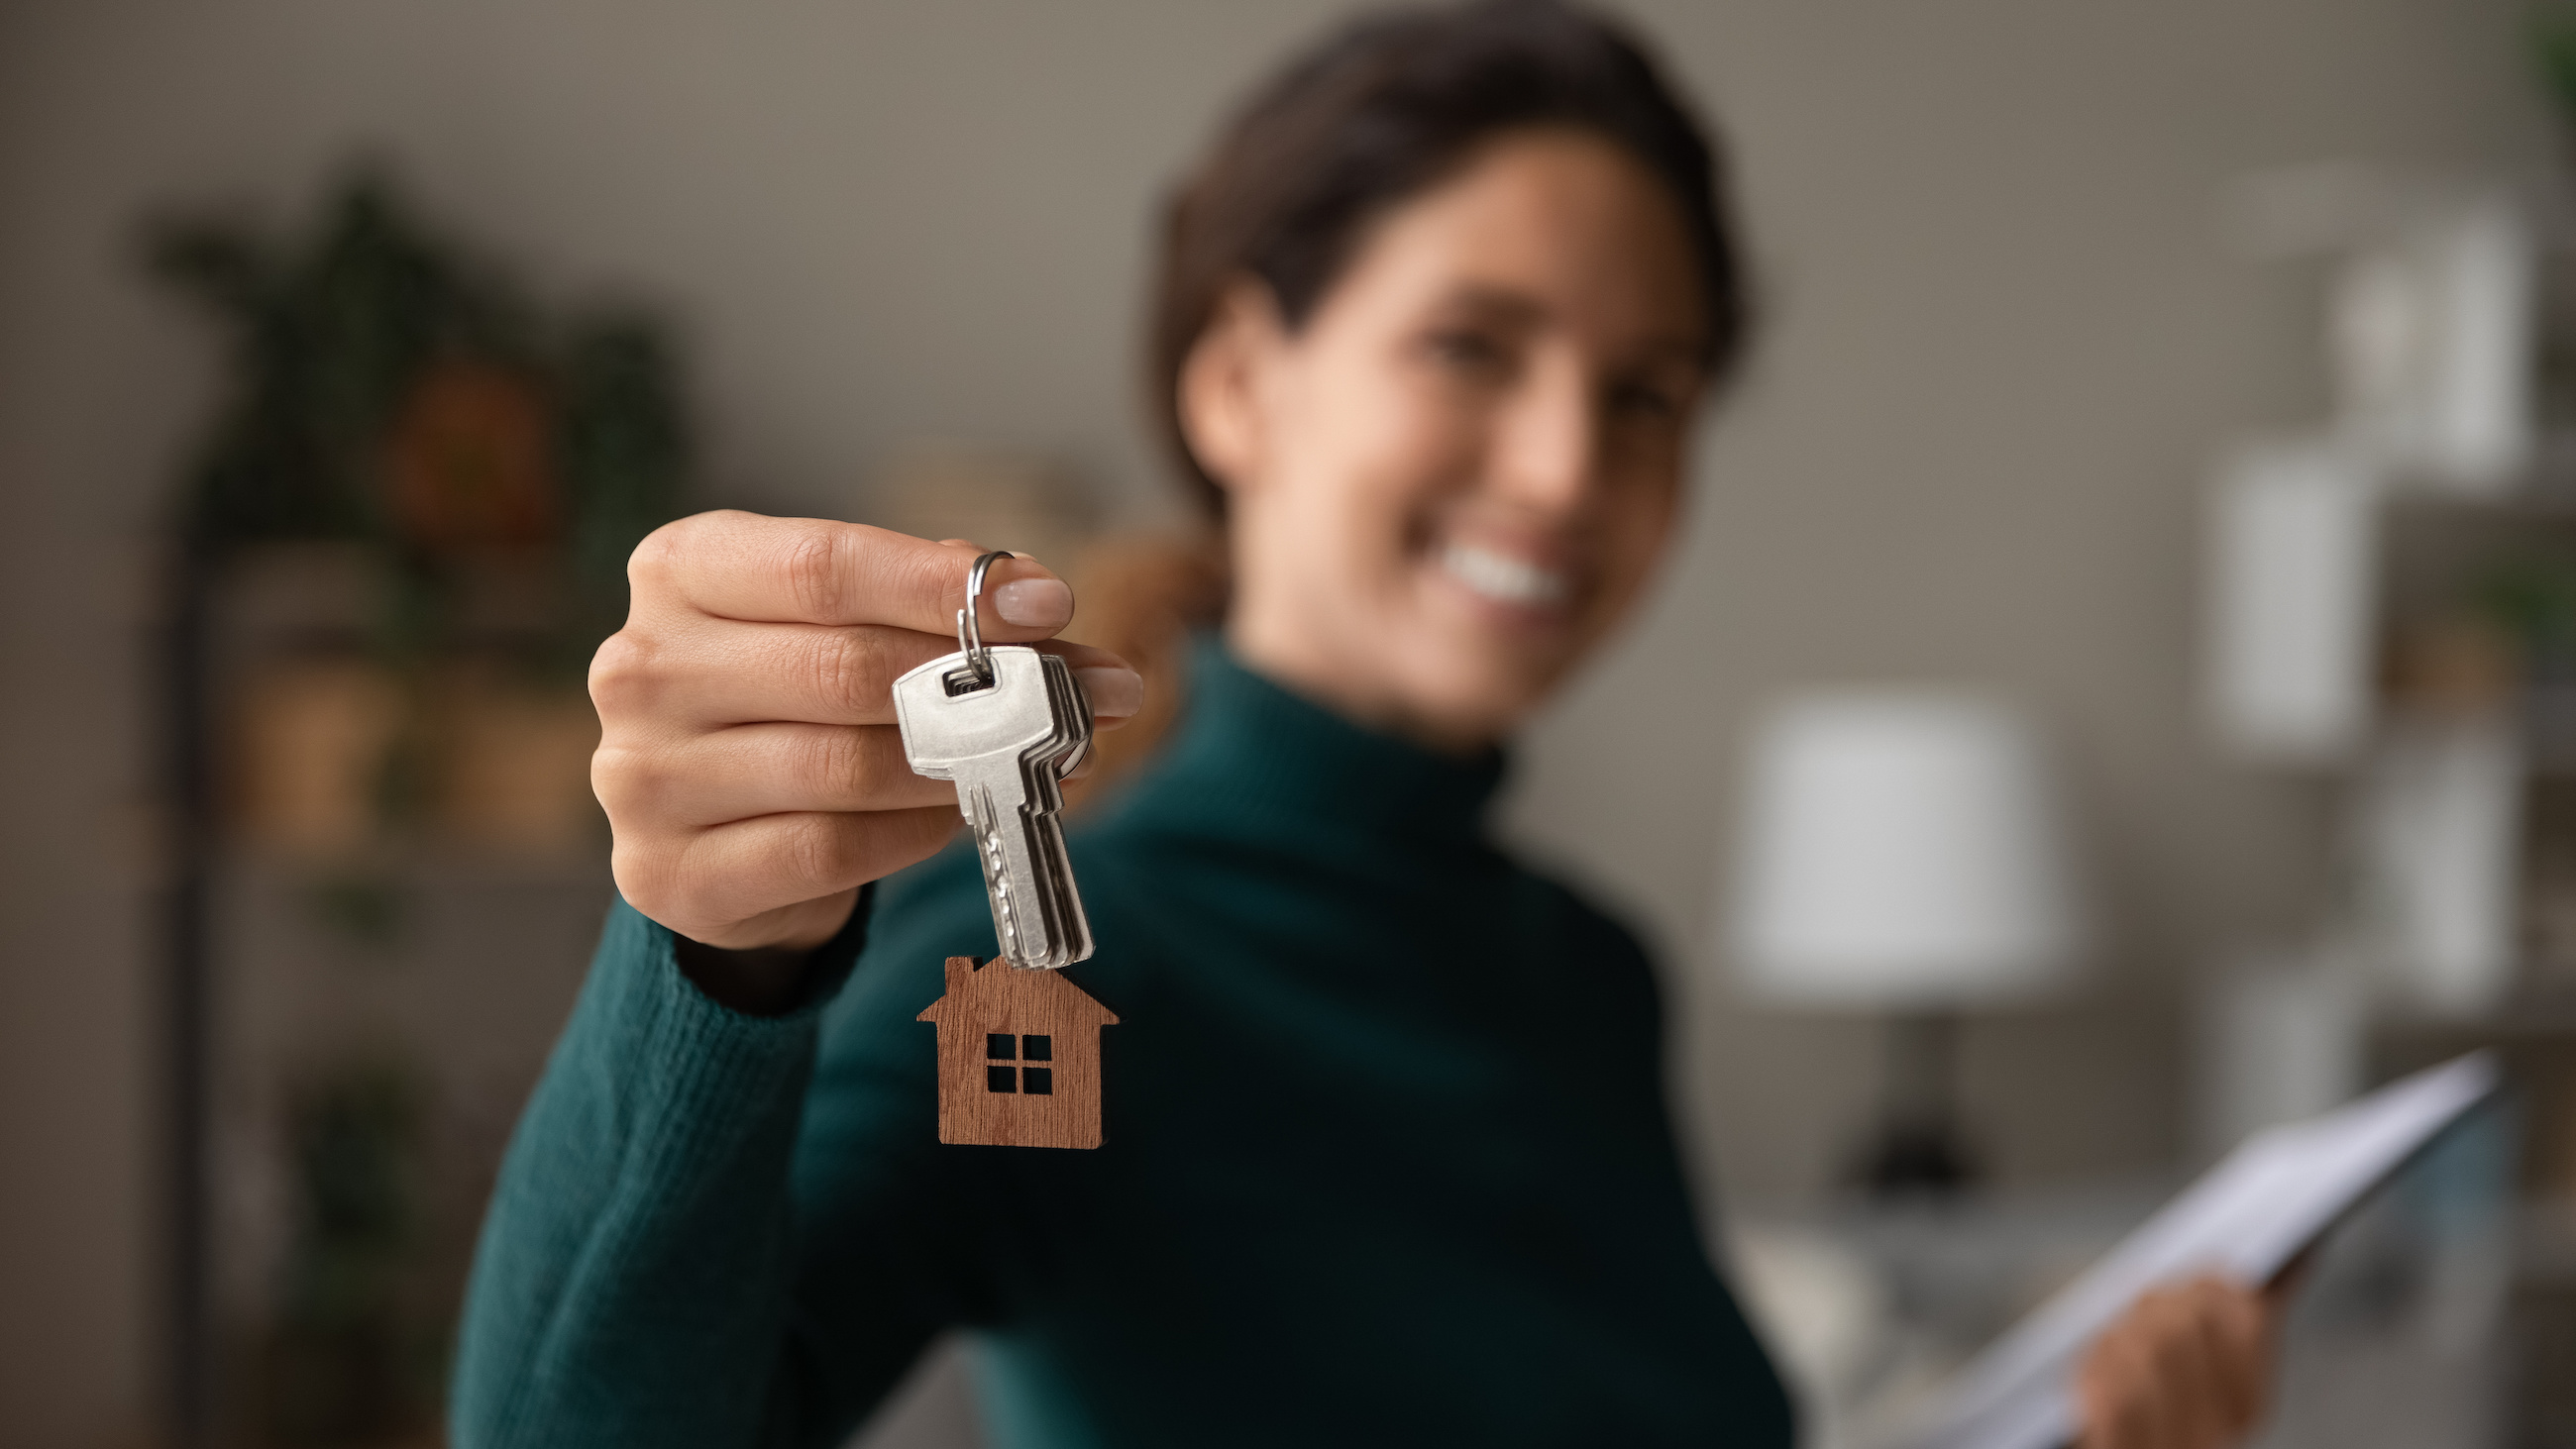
(1072, 710)
(1073, 713)
(1076, 708)
(1005, 734)
(1006, 725)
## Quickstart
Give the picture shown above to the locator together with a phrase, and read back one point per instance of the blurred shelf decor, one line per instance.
(998, 497)
(403, 536)
(1145, 597)
(2392, 618)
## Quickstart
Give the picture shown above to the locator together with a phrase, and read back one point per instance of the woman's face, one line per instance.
(1453, 479)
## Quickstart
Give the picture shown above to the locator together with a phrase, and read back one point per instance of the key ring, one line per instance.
(970, 630)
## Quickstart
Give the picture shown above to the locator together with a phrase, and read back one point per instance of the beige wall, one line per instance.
(2002, 334)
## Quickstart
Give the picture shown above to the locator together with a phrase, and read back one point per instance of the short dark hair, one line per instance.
(1386, 108)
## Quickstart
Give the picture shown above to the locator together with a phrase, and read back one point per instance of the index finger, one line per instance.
(757, 569)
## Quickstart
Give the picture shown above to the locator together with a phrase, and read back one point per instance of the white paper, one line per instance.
(2244, 1220)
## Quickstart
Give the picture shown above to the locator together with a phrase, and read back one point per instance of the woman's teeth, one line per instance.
(1501, 577)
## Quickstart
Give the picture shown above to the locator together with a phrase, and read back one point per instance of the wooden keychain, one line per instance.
(1019, 1043)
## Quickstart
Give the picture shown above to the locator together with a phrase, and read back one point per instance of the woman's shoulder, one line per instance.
(1566, 891)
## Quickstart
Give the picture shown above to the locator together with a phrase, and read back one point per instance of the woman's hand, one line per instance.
(748, 756)
(2189, 1367)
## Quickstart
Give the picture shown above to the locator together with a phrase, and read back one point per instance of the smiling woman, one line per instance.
(1383, 1155)
(1486, 417)
(1448, 294)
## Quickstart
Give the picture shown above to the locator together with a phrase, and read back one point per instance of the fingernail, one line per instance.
(1111, 690)
(1034, 603)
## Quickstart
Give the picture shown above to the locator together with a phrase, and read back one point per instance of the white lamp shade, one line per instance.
(1900, 848)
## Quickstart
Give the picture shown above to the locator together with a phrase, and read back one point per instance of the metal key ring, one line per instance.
(970, 629)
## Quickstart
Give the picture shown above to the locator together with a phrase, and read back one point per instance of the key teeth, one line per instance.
(1049, 912)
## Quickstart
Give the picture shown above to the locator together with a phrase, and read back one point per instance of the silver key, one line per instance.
(1006, 723)
(1073, 714)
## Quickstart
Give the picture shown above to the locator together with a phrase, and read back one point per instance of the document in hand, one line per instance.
(2245, 1220)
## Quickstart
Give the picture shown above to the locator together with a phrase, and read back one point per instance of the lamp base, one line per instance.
(1917, 1152)
(1915, 1160)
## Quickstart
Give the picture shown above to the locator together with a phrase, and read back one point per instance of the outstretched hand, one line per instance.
(2188, 1367)
(749, 760)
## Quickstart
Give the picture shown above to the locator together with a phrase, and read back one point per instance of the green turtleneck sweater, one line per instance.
(1387, 1159)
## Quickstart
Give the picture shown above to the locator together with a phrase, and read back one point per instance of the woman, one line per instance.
(1387, 1157)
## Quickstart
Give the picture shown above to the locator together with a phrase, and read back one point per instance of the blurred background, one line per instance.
(2154, 434)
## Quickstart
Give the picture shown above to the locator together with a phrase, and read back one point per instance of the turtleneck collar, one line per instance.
(1251, 748)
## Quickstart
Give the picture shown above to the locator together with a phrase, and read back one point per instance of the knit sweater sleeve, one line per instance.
(656, 1267)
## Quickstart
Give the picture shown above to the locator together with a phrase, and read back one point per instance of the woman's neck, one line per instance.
(1296, 660)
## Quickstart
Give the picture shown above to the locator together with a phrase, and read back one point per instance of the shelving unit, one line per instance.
(382, 978)
(2393, 617)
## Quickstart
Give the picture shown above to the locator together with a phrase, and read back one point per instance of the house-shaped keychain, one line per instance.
(1019, 1057)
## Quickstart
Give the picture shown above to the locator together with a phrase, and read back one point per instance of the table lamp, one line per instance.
(1900, 851)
